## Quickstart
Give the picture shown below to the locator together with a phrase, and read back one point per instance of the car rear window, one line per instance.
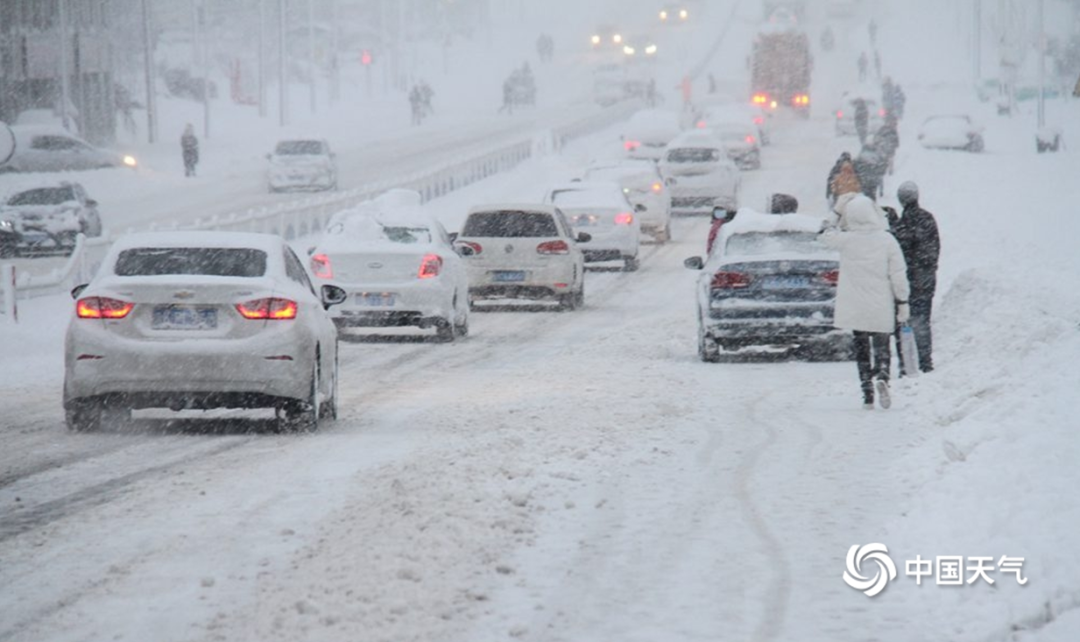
(366, 229)
(202, 261)
(43, 196)
(762, 243)
(693, 155)
(299, 148)
(505, 224)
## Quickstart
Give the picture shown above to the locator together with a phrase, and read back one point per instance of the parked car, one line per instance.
(645, 189)
(741, 142)
(399, 268)
(523, 251)
(699, 174)
(47, 220)
(648, 132)
(951, 132)
(768, 282)
(744, 113)
(302, 164)
(845, 114)
(51, 149)
(200, 320)
(601, 210)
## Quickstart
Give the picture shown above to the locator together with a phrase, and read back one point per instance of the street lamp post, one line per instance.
(151, 94)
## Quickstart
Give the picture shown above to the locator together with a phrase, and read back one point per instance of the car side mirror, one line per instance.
(78, 289)
(311, 251)
(639, 208)
(694, 263)
(91, 202)
(583, 237)
(333, 295)
(453, 236)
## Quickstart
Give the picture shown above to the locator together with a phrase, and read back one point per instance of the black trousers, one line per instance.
(872, 356)
(921, 308)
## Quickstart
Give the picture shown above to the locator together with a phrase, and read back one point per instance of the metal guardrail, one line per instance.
(301, 217)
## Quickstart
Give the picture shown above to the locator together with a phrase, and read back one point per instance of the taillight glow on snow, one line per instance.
(102, 307)
(839, 113)
(832, 277)
(624, 218)
(320, 266)
(657, 186)
(729, 280)
(270, 309)
(553, 247)
(430, 266)
(749, 139)
(631, 145)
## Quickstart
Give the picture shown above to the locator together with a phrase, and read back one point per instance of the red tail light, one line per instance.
(729, 281)
(475, 247)
(839, 113)
(320, 266)
(832, 277)
(759, 120)
(624, 218)
(701, 124)
(270, 309)
(430, 266)
(881, 112)
(102, 307)
(750, 139)
(760, 99)
(631, 145)
(657, 186)
(553, 247)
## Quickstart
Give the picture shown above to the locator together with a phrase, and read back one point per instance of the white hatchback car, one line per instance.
(648, 131)
(951, 132)
(523, 251)
(302, 164)
(601, 210)
(399, 268)
(699, 174)
(644, 188)
(845, 114)
(200, 320)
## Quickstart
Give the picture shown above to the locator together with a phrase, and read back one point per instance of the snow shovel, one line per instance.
(909, 352)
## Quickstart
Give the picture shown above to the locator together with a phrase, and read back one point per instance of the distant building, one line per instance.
(31, 63)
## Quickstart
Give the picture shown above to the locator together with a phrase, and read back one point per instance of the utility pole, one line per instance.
(311, 52)
(262, 58)
(65, 89)
(283, 91)
(199, 59)
(151, 94)
(1042, 66)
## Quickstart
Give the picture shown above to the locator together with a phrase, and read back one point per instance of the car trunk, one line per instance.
(376, 266)
(796, 281)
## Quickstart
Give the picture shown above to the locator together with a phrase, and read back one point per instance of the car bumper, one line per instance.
(421, 303)
(622, 241)
(784, 323)
(301, 180)
(542, 282)
(700, 200)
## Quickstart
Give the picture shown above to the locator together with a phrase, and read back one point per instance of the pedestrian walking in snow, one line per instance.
(864, 64)
(842, 179)
(877, 64)
(888, 140)
(916, 231)
(189, 149)
(508, 96)
(871, 165)
(862, 119)
(720, 217)
(416, 104)
(872, 28)
(872, 293)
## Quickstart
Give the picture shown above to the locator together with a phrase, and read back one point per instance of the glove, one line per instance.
(903, 313)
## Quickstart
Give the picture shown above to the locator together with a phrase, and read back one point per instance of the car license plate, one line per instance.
(375, 299)
(184, 317)
(785, 282)
(586, 220)
(507, 277)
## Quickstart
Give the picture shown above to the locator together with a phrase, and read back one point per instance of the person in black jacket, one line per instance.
(871, 166)
(189, 147)
(917, 232)
(845, 157)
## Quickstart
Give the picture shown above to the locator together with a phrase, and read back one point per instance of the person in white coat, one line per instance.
(872, 293)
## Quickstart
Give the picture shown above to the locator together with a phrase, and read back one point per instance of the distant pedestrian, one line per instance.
(872, 293)
(872, 28)
(720, 217)
(426, 96)
(864, 64)
(899, 99)
(877, 64)
(508, 96)
(871, 166)
(416, 103)
(189, 148)
(888, 95)
(888, 141)
(842, 179)
(917, 232)
(862, 119)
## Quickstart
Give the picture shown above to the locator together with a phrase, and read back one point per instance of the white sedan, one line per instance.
(397, 265)
(741, 142)
(200, 320)
(951, 132)
(302, 164)
(644, 188)
(648, 131)
(601, 210)
(523, 251)
(700, 175)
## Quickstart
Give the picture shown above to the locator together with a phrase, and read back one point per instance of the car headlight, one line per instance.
(129, 161)
(7, 226)
(596, 40)
(628, 50)
(650, 50)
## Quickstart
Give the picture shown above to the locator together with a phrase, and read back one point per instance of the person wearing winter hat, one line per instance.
(872, 292)
(917, 232)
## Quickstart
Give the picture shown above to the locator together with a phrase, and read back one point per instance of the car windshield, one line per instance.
(620, 175)
(299, 148)
(583, 198)
(366, 229)
(43, 196)
(506, 224)
(764, 243)
(693, 155)
(202, 261)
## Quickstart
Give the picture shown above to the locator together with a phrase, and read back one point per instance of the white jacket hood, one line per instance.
(862, 215)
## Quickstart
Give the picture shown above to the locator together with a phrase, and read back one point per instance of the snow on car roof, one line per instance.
(253, 240)
(587, 193)
(542, 208)
(401, 206)
(749, 221)
(699, 138)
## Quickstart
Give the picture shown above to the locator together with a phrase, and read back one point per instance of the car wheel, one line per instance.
(665, 234)
(303, 416)
(329, 409)
(708, 349)
(8, 250)
(631, 264)
(462, 327)
(579, 297)
(83, 416)
(446, 331)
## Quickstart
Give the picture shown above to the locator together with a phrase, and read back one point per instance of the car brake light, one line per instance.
(631, 145)
(701, 124)
(881, 112)
(729, 280)
(759, 120)
(102, 307)
(475, 247)
(320, 266)
(832, 277)
(553, 247)
(760, 99)
(839, 113)
(430, 266)
(749, 139)
(271, 308)
(624, 218)
(657, 186)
